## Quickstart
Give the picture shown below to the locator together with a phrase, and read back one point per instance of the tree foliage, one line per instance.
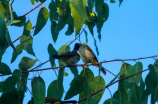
(75, 14)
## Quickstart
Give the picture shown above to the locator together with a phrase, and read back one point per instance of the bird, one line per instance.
(68, 58)
(87, 55)
(54, 101)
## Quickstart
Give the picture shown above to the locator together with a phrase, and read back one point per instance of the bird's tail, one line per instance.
(55, 56)
(103, 70)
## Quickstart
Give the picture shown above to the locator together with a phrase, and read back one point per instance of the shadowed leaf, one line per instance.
(4, 69)
(52, 90)
(53, 32)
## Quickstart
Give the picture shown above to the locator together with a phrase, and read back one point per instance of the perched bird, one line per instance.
(68, 58)
(54, 101)
(87, 55)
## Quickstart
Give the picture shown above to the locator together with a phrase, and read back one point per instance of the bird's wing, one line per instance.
(68, 54)
(89, 49)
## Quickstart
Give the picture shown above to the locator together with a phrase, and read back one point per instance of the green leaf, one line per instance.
(37, 80)
(3, 30)
(4, 69)
(135, 69)
(65, 73)
(90, 5)
(92, 87)
(125, 69)
(63, 49)
(60, 83)
(20, 22)
(26, 63)
(156, 65)
(79, 84)
(151, 80)
(120, 2)
(154, 95)
(53, 32)
(33, 1)
(111, 101)
(74, 71)
(96, 47)
(134, 92)
(53, 9)
(78, 20)
(85, 32)
(70, 30)
(52, 90)
(142, 84)
(38, 91)
(52, 51)
(112, 1)
(1, 84)
(98, 5)
(121, 96)
(41, 20)
(12, 96)
(17, 73)
(5, 7)
(103, 15)
(27, 28)
(18, 51)
(64, 15)
(91, 24)
(9, 84)
(27, 41)
(79, 6)
(9, 40)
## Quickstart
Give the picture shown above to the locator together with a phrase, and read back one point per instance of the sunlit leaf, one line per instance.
(53, 32)
(18, 51)
(79, 6)
(41, 20)
(26, 63)
(20, 22)
(78, 85)
(33, 1)
(125, 69)
(78, 20)
(27, 41)
(27, 28)
(37, 80)
(63, 49)
(112, 1)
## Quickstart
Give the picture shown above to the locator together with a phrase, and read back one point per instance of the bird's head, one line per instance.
(77, 45)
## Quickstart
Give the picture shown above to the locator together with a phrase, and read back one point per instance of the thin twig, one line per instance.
(31, 10)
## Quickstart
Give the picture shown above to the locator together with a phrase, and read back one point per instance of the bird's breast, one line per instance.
(85, 54)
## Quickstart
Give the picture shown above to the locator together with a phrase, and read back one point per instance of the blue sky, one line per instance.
(131, 31)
